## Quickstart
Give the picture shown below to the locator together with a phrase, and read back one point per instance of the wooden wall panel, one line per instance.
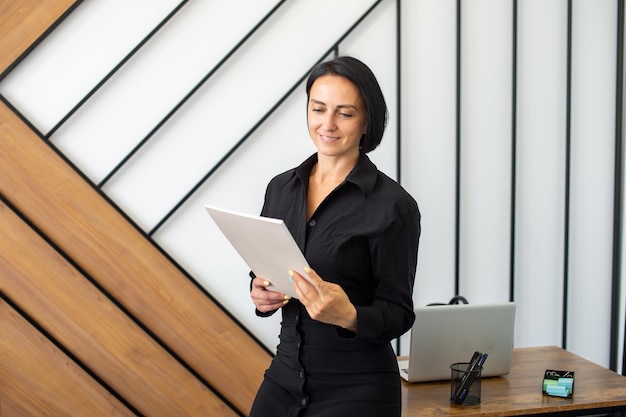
(101, 241)
(38, 379)
(96, 331)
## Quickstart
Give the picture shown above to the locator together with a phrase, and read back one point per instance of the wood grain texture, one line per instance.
(73, 215)
(519, 393)
(38, 379)
(76, 314)
(23, 22)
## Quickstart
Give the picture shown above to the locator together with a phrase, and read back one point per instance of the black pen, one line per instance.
(475, 357)
(468, 383)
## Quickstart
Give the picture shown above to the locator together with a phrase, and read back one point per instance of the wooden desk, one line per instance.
(596, 389)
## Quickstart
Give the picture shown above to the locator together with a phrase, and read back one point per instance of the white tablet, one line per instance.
(265, 244)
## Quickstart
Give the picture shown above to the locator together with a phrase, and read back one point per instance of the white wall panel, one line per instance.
(154, 81)
(228, 106)
(541, 161)
(429, 138)
(486, 76)
(78, 54)
(593, 142)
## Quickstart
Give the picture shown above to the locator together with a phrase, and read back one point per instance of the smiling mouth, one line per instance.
(328, 139)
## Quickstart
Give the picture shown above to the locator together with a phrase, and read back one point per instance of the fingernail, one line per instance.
(290, 273)
(285, 302)
(266, 283)
(287, 297)
(307, 269)
(290, 276)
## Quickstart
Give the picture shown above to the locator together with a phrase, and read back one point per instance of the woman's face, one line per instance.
(336, 116)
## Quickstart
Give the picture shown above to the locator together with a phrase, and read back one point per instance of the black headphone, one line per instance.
(457, 299)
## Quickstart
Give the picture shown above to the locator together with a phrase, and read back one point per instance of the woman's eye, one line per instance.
(317, 110)
(345, 115)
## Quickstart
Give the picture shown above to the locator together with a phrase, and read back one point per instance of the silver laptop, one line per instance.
(445, 334)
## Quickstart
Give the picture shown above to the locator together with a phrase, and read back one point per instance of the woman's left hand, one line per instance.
(325, 301)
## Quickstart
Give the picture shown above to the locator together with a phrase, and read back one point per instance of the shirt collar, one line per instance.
(362, 175)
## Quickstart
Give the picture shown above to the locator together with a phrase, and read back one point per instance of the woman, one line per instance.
(359, 231)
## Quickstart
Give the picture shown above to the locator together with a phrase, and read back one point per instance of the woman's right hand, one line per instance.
(266, 300)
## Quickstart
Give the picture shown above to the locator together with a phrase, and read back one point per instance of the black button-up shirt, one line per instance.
(364, 236)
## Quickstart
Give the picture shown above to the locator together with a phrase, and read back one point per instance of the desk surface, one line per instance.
(519, 392)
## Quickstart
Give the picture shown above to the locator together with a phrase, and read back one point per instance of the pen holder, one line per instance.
(465, 384)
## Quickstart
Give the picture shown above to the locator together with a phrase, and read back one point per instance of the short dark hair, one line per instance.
(363, 78)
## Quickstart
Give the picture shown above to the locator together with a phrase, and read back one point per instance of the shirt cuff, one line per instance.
(261, 314)
(369, 323)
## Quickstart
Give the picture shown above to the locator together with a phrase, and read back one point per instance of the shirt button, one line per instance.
(303, 402)
(312, 222)
(301, 374)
